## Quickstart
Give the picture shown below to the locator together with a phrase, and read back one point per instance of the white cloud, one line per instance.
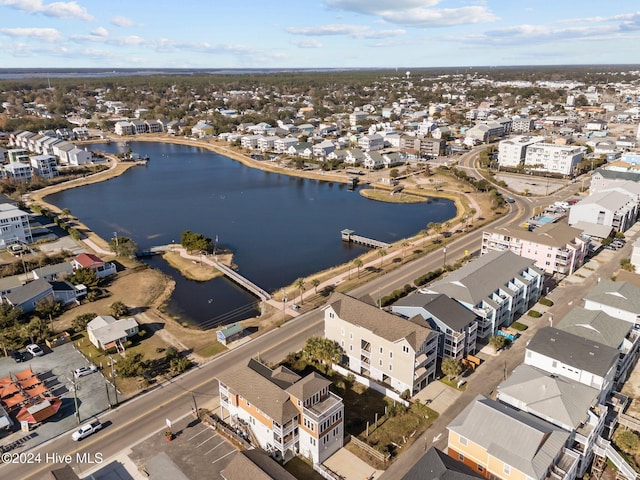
(122, 21)
(415, 13)
(353, 31)
(310, 43)
(44, 34)
(55, 9)
(100, 32)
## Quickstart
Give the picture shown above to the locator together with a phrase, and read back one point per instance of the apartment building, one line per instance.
(14, 226)
(577, 358)
(615, 209)
(567, 404)
(288, 415)
(370, 143)
(17, 171)
(512, 152)
(396, 352)
(457, 325)
(500, 442)
(617, 299)
(497, 287)
(44, 166)
(554, 247)
(552, 158)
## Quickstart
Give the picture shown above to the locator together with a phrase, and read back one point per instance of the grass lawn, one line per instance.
(361, 404)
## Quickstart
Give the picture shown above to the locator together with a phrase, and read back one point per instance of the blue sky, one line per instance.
(316, 33)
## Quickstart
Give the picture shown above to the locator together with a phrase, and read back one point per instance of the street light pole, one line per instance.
(284, 305)
(444, 261)
(75, 397)
(113, 377)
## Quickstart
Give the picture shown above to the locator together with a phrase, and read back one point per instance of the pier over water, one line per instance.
(350, 237)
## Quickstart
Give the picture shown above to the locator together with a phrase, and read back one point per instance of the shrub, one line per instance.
(521, 327)
(428, 277)
(534, 313)
(545, 301)
(396, 295)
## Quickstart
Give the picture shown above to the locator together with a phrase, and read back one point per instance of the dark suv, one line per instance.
(18, 356)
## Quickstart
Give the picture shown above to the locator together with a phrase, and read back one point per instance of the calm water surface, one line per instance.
(279, 227)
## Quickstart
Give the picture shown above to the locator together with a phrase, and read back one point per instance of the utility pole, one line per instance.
(195, 405)
(75, 397)
(284, 305)
(444, 261)
(113, 377)
(106, 387)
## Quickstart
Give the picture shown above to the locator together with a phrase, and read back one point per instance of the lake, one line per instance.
(279, 227)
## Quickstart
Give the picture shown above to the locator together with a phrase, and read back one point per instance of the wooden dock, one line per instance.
(349, 236)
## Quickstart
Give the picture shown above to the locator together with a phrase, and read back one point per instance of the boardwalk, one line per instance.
(349, 236)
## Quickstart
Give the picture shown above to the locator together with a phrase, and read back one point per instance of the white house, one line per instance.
(369, 143)
(106, 332)
(617, 299)
(44, 166)
(611, 208)
(15, 226)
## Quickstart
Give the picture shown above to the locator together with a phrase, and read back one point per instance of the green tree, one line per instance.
(9, 315)
(195, 242)
(118, 309)
(394, 173)
(66, 212)
(322, 350)
(130, 365)
(498, 342)
(37, 330)
(451, 367)
(48, 307)
(315, 283)
(79, 323)
(179, 365)
(299, 283)
(84, 276)
(358, 263)
(123, 247)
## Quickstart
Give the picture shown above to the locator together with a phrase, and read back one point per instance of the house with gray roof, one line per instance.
(565, 403)
(254, 465)
(8, 284)
(457, 325)
(53, 272)
(497, 287)
(106, 332)
(286, 414)
(618, 299)
(437, 465)
(27, 296)
(602, 179)
(502, 442)
(577, 358)
(391, 351)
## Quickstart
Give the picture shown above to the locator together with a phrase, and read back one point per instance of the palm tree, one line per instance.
(300, 284)
(381, 253)
(66, 212)
(447, 226)
(315, 282)
(404, 246)
(358, 263)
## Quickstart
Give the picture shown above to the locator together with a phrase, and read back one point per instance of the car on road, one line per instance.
(35, 350)
(18, 356)
(511, 200)
(82, 371)
(86, 430)
(295, 307)
(610, 247)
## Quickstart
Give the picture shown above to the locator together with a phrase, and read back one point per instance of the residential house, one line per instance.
(617, 299)
(154, 126)
(79, 156)
(497, 287)
(65, 293)
(356, 117)
(91, 261)
(302, 149)
(62, 149)
(370, 143)
(266, 143)
(139, 126)
(288, 415)
(17, 155)
(44, 166)
(17, 171)
(280, 145)
(601, 179)
(255, 465)
(457, 325)
(124, 128)
(250, 141)
(565, 403)
(437, 465)
(386, 348)
(373, 160)
(323, 149)
(53, 272)
(563, 353)
(354, 157)
(500, 442)
(28, 296)
(597, 326)
(615, 209)
(174, 127)
(485, 132)
(106, 332)
(555, 247)
(202, 129)
(14, 226)
(10, 283)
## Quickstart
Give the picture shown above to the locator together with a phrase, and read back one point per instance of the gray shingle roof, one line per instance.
(520, 440)
(611, 200)
(308, 386)
(557, 398)
(28, 291)
(437, 465)
(254, 465)
(476, 280)
(573, 350)
(554, 234)
(621, 295)
(438, 305)
(613, 174)
(383, 324)
(596, 326)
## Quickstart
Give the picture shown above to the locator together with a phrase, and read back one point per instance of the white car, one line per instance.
(82, 371)
(35, 350)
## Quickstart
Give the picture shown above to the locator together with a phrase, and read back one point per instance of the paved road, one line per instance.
(146, 415)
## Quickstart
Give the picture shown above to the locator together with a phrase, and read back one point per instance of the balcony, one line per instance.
(320, 410)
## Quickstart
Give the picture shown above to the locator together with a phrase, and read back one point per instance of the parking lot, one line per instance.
(197, 451)
(55, 369)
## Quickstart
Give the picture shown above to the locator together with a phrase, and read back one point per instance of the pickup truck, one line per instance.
(86, 430)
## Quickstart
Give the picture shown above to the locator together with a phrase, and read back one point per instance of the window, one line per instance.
(381, 350)
(390, 354)
(463, 441)
(554, 364)
(351, 348)
(380, 362)
(506, 469)
(390, 367)
(461, 457)
(350, 335)
(405, 349)
(342, 332)
(480, 468)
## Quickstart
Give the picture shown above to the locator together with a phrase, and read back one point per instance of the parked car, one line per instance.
(86, 430)
(82, 371)
(610, 247)
(18, 356)
(34, 350)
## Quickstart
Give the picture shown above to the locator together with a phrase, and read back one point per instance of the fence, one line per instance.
(326, 472)
(218, 424)
(382, 457)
